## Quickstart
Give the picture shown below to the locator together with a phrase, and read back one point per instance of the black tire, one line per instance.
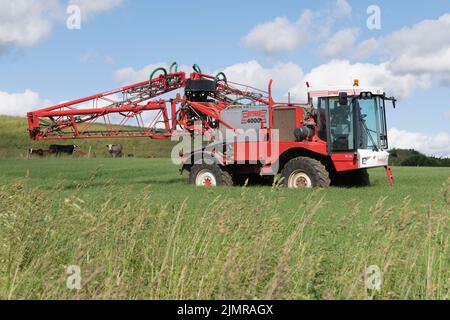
(350, 179)
(221, 177)
(303, 172)
(241, 179)
(360, 178)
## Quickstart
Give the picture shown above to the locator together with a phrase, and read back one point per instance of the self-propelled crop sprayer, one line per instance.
(330, 140)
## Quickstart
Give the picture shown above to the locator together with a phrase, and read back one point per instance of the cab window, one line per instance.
(342, 130)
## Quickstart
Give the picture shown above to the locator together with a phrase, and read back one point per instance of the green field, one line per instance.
(14, 143)
(138, 230)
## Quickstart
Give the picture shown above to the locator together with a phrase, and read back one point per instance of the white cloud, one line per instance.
(435, 63)
(290, 77)
(24, 23)
(18, 104)
(344, 9)
(130, 75)
(366, 48)
(424, 37)
(250, 73)
(253, 74)
(340, 44)
(423, 49)
(108, 60)
(282, 34)
(433, 145)
(447, 114)
(88, 57)
(342, 73)
(279, 35)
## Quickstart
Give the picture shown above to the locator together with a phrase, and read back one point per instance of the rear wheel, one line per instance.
(209, 176)
(305, 172)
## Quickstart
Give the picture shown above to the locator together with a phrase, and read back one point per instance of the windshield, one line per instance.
(372, 131)
(368, 115)
(359, 125)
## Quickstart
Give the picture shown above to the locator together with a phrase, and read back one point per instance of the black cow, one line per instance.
(62, 149)
(115, 150)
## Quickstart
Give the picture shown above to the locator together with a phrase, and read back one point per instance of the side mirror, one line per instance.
(393, 99)
(343, 98)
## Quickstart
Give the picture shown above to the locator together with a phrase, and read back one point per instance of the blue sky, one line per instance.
(59, 64)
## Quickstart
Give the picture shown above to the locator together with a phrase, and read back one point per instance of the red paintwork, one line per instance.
(390, 176)
(345, 161)
(76, 119)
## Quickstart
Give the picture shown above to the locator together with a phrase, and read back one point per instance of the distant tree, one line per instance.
(394, 153)
(413, 158)
(419, 161)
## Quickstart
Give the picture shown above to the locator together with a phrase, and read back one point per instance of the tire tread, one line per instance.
(322, 178)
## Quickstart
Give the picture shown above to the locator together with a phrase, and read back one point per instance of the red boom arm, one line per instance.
(121, 113)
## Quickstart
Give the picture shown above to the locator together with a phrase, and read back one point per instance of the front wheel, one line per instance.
(209, 176)
(305, 172)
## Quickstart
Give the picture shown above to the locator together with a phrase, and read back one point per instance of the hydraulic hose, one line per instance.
(173, 67)
(155, 71)
(221, 74)
(197, 68)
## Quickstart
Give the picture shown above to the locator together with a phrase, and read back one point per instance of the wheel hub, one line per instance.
(205, 178)
(299, 180)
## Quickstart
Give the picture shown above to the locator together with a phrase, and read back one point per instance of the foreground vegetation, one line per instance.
(137, 230)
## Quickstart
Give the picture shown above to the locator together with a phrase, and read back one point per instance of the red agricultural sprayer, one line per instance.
(330, 140)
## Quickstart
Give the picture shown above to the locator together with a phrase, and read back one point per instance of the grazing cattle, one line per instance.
(62, 149)
(35, 152)
(38, 153)
(115, 150)
(46, 153)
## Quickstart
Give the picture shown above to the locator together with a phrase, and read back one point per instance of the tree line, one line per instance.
(413, 158)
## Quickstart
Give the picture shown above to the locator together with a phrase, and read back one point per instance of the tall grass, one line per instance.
(128, 249)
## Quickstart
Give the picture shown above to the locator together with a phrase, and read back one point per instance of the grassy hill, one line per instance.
(14, 142)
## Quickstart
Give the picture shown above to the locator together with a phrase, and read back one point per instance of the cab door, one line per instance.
(337, 124)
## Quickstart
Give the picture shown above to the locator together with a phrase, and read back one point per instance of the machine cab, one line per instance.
(354, 120)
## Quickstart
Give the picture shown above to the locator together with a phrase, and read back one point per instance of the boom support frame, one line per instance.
(121, 112)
